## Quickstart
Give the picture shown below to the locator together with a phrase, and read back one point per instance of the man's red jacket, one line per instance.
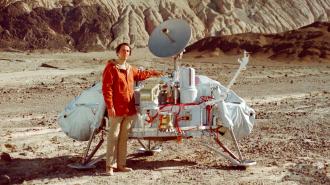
(118, 87)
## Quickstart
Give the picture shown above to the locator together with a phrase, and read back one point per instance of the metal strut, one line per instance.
(228, 154)
(148, 148)
(87, 162)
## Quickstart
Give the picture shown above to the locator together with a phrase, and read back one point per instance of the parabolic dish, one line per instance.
(169, 38)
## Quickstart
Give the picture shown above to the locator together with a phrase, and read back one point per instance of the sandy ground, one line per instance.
(290, 141)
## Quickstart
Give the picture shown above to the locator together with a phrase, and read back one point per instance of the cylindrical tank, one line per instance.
(188, 91)
(176, 93)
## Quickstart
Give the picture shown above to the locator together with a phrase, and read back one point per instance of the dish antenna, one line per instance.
(169, 38)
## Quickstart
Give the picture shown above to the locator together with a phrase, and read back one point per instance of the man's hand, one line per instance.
(157, 73)
(111, 112)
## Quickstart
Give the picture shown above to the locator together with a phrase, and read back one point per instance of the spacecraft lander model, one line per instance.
(178, 106)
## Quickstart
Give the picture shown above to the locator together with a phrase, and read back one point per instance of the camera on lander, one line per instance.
(178, 106)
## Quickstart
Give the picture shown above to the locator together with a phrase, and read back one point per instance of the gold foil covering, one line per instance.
(150, 90)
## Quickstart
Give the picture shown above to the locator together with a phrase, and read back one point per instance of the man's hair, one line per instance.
(124, 44)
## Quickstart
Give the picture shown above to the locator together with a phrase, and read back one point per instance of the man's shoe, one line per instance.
(124, 169)
(109, 171)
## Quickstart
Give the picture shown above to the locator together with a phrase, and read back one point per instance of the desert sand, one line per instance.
(290, 141)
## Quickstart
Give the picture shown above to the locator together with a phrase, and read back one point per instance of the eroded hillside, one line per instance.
(87, 25)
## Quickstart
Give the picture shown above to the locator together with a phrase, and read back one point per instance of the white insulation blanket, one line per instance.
(83, 114)
(233, 111)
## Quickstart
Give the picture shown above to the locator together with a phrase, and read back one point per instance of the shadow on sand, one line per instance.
(20, 170)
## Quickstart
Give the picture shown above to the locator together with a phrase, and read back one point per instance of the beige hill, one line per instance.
(87, 25)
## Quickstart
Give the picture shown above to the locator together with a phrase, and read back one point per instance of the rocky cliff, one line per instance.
(88, 25)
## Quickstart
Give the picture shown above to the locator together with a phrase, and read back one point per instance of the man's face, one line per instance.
(123, 52)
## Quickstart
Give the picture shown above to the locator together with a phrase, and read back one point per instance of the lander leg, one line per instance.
(87, 162)
(149, 149)
(228, 154)
(243, 162)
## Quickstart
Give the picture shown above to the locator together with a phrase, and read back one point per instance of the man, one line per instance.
(117, 87)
